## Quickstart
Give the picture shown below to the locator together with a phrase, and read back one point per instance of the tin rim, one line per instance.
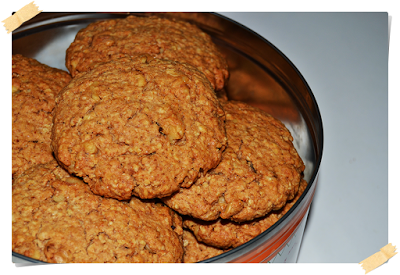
(46, 21)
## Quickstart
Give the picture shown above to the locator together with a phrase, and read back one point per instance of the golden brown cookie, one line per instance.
(161, 38)
(196, 251)
(260, 170)
(226, 234)
(57, 219)
(140, 127)
(222, 95)
(34, 87)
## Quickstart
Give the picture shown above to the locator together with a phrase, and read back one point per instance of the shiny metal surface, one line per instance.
(260, 75)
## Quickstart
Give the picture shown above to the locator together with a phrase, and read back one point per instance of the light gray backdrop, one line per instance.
(344, 59)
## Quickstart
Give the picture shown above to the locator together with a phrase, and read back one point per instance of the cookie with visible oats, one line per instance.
(159, 37)
(34, 87)
(195, 251)
(226, 234)
(140, 127)
(260, 170)
(57, 219)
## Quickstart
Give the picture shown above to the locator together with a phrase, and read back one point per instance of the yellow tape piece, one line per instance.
(22, 15)
(379, 258)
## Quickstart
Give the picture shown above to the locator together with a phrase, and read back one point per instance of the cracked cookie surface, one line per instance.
(140, 127)
(260, 170)
(57, 219)
(225, 234)
(34, 87)
(159, 37)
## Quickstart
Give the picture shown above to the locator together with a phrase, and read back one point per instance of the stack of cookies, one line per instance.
(132, 157)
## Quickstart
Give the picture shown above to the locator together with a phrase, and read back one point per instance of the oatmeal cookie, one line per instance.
(226, 234)
(140, 127)
(222, 95)
(161, 38)
(57, 219)
(34, 87)
(196, 251)
(260, 170)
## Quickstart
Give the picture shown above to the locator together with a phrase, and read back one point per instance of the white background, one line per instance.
(349, 90)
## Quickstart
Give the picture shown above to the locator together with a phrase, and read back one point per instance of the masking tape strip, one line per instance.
(22, 15)
(379, 258)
